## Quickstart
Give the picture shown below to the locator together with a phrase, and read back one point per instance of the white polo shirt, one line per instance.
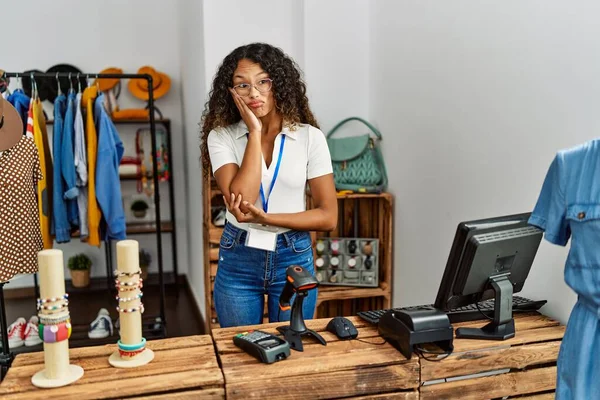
(305, 156)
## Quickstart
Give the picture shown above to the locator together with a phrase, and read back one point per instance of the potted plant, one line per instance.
(79, 267)
(145, 260)
(139, 208)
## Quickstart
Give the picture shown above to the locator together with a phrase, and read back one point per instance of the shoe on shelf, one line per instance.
(102, 326)
(219, 219)
(32, 335)
(16, 333)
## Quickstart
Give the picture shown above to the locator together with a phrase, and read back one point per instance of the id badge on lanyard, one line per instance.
(264, 237)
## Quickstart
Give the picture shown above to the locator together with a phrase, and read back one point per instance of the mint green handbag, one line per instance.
(357, 161)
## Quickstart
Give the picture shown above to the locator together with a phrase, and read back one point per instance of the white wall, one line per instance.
(191, 23)
(474, 98)
(93, 36)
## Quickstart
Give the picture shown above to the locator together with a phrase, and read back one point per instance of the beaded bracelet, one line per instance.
(53, 299)
(117, 273)
(132, 347)
(130, 310)
(55, 333)
(126, 299)
(124, 353)
(52, 308)
(125, 284)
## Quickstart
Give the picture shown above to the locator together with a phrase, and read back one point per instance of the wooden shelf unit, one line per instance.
(362, 216)
(375, 220)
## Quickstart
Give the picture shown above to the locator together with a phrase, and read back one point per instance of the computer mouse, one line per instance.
(342, 328)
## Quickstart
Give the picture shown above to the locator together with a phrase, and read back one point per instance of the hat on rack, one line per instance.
(4, 81)
(105, 84)
(40, 83)
(161, 83)
(11, 125)
(65, 85)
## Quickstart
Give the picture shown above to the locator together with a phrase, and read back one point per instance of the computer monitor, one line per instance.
(489, 258)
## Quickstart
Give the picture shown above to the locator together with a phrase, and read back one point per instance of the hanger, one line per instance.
(34, 88)
(58, 84)
(78, 83)
(71, 83)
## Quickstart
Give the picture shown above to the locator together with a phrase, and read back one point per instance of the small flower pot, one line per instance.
(139, 213)
(80, 278)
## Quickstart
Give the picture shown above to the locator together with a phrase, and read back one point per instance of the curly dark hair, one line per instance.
(289, 91)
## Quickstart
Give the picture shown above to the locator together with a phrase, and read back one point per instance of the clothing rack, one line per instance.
(6, 357)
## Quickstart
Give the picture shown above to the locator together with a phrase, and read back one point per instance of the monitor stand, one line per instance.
(502, 326)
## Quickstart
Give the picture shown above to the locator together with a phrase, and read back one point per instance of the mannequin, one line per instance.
(11, 126)
(19, 215)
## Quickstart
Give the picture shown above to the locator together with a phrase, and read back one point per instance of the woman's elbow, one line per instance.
(330, 223)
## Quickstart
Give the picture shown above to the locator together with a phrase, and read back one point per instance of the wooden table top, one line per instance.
(354, 368)
(340, 369)
(524, 364)
(187, 365)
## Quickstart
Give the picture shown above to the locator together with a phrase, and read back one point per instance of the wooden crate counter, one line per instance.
(340, 369)
(528, 363)
(187, 366)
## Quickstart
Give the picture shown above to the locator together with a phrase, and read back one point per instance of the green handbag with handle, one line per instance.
(357, 161)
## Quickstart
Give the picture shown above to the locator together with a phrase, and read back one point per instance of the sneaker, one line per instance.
(32, 336)
(219, 220)
(102, 326)
(16, 333)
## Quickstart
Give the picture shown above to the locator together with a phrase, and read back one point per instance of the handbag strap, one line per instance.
(371, 127)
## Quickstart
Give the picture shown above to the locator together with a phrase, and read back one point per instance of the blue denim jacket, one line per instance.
(61, 227)
(108, 184)
(569, 208)
(68, 162)
(20, 102)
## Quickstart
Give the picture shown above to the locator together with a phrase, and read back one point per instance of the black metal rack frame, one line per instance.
(6, 357)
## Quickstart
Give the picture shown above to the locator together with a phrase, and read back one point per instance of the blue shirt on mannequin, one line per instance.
(569, 208)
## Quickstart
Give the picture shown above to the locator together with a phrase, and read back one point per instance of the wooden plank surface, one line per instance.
(524, 364)
(180, 364)
(535, 380)
(340, 369)
(414, 395)
(517, 357)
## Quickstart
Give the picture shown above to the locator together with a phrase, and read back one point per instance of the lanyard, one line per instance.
(265, 199)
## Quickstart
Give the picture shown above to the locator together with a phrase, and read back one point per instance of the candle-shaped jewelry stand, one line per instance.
(55, 324)
(132, 351)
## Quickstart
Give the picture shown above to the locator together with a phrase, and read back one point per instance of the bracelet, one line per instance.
(130, 310)
(52, 308)
(54, 321)
(125, 284)
(126, 299)
(132, 347)
(124, 353)
(117, 273)
(55, 333)
(53, 299)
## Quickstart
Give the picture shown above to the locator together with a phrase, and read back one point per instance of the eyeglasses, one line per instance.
(244, 89)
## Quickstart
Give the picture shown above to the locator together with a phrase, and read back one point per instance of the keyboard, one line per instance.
(462, 314)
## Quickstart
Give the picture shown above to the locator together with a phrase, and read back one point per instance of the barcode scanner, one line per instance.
(299, 282)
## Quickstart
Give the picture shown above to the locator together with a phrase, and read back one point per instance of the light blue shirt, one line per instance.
(569, 208)
(108, 184)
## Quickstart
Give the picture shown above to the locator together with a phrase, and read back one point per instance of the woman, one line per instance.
(263, 143)
(569, 208)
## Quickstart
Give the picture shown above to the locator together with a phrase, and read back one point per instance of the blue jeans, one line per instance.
(245, 275)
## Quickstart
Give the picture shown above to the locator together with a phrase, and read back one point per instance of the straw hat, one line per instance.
(161, 83)
(107, 84)
(11, 125)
